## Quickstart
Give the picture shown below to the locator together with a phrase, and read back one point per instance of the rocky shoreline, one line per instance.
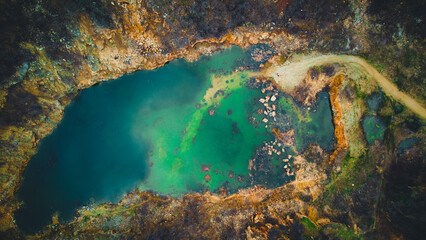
(28, 136)
(322, 201)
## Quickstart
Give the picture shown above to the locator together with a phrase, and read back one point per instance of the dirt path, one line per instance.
(291, 74)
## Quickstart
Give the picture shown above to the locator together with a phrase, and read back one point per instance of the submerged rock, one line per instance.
(287, 137)
(205, 168)
(53, 50)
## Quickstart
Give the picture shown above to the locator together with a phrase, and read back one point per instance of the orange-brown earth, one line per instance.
(339, 128)
(339, 201)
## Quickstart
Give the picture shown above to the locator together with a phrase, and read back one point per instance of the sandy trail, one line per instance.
(293, 73)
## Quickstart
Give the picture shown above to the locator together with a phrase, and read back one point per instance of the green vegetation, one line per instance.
(335, 230)
(311, 230)
(355, 172)
(405, 66)
(341, 231)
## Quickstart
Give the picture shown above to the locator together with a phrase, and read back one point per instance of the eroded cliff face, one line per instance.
(56, 48)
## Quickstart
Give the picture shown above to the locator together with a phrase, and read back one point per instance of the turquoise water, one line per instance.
(92, 155)
(186, 127)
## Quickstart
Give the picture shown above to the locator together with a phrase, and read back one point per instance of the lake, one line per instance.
(185, 127)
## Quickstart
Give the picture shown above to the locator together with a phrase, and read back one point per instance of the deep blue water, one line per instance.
(92, 154)
(153, 130)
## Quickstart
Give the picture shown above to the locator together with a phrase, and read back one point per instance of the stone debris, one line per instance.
(267, 98)
(287, 138)
(250, 166)
(270, 110)
(205, 168)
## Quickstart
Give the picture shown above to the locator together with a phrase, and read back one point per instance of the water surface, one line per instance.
(186, 127)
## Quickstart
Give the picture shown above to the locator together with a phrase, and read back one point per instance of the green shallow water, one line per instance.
(185, 127)
(223, 142)
(374, 128)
